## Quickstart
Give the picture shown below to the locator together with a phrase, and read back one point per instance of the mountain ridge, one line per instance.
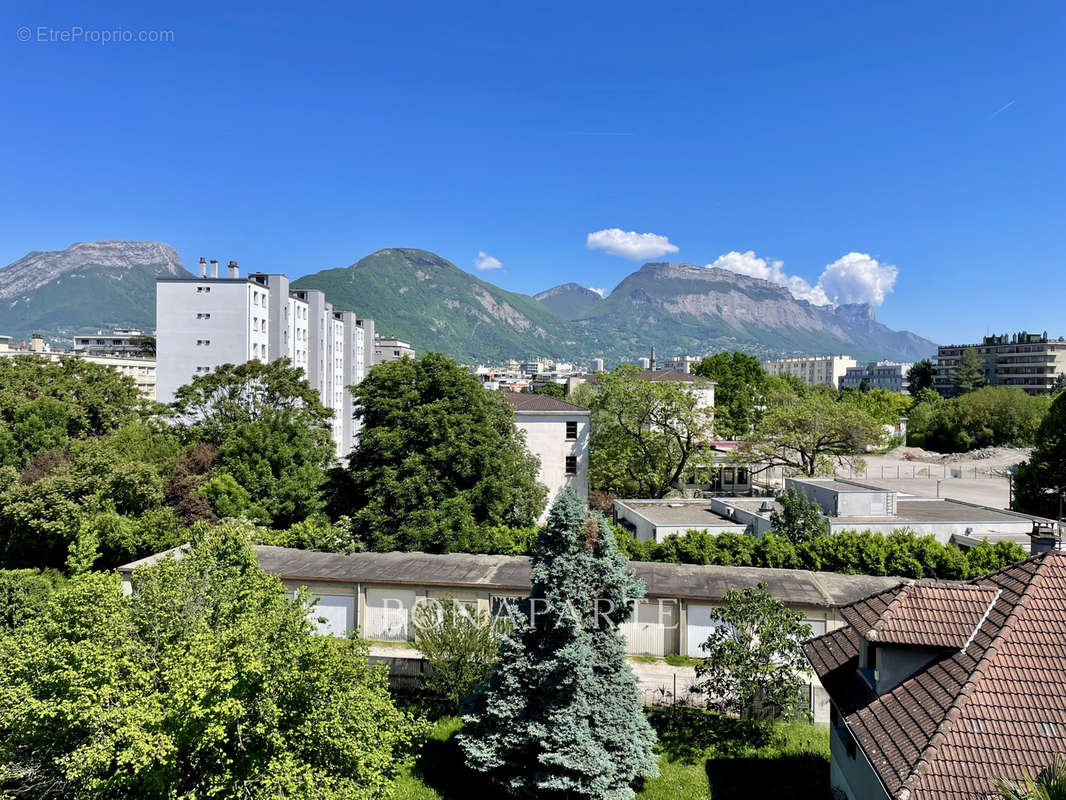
(570, 300)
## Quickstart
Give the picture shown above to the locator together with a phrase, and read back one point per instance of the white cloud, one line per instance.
(600, 292)
(853, 278)
(858, 278)
(630, 244)
(485, 261)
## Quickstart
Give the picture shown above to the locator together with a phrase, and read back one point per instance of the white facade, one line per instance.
(890, 375)
(813, 371)
(205, 322)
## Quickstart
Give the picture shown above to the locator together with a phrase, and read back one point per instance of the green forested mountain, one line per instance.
(570, 301)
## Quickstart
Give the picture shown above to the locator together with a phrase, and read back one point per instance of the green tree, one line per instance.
(754, 662)
(740, 382)
(799, 519)
(986, 417)
(645, 434)
(810, 434)
(1040, 482)
(438, 458)
(1050, 784)
(24, 594)
(460, 645)
(1060, 383)
(561, 717)
(551, 389)
(920, 376)
(207, 682)
(970, 372)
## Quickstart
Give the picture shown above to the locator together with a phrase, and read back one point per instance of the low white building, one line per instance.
(812, 370)
(557, 433)
(391, 349)
(890, 375)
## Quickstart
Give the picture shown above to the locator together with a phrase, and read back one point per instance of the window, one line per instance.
(571, 465)
(571, 430)
(817, 626)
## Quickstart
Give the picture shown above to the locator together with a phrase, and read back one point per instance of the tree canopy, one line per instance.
(561, 716)
(986, 417)
(1040, 483)
(438, 459)
(207, 682)
(920, 376)
(969, 373)
(645, 434)
(740, 382)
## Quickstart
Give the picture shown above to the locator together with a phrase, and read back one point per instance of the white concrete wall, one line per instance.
(546, 439)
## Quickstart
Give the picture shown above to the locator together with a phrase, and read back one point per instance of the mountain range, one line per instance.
(424, 298)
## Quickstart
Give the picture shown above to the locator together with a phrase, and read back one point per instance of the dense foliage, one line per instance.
(207, 682)
(920, 376)
(459, 645)
(900, 553)
(561, 716)
(799, 519)
(1040, 483)
(753, 664)
(646, 435)
(738, 395)
(991, 416)
(439, 459)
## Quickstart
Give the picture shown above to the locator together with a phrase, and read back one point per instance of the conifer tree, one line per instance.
(561, 716)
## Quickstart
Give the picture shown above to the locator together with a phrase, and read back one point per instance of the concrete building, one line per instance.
(890, 375)
(847, 506)
(1031, 361)
(938, 688)
(206, 321)
(680, 363)
(597, 365)
(391, 349)
(376, 594)
(813, 370)
(121, 341)
(557, 433)
(140, 368)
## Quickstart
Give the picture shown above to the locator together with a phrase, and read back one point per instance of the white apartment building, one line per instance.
(391, 349)
(139, 368)
(557, 433)
(812, 370)
(890, 375)
(206, 321)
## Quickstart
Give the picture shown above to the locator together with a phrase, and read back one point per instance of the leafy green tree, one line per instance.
(24, 594)
(810, 434)
(1040, 482)
(561, 717)
(799, 519)
(884, 406)
(207, 682)
(740, 382)
(460, 645)
(438, 458)
(646, 434)
(551, 389)
(754, 663)
(1050, 784)
(970, 372)
(986, 417)
(920, 376)
(1059, 384)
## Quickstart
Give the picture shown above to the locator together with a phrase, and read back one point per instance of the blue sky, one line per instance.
(928, 137)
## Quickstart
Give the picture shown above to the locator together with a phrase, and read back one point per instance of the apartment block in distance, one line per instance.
(813, 370)
(1031, 361)
(206, 321)
(391, 349)
(890, 375)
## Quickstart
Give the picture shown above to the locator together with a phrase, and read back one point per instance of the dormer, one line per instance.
(921, 624)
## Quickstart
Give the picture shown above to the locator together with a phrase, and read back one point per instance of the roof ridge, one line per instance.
(975, 677)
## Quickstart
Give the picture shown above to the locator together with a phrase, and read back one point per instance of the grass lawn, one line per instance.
(701, 756)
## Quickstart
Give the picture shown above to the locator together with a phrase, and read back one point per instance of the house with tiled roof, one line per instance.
(937, 687)
(557, 433)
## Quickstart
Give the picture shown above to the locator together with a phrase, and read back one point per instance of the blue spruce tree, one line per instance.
(561, 716)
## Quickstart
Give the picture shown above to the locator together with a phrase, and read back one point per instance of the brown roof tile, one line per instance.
(527, 401)
(995, 709)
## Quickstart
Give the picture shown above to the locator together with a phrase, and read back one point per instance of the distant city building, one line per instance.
(120, 341)
(1031, 361)
(681, 363)
(597, 365)
(644, 362)
(140, 368)
(206, 321)
(557, 433)
(890, 375)
(391, 349)
(813, 370)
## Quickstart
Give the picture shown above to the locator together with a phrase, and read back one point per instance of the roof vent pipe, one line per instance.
(203, 267)
(214, 267)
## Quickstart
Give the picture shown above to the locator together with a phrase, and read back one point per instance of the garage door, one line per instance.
(653, 631)
(699, 627)
(333, 614)
(388, 614)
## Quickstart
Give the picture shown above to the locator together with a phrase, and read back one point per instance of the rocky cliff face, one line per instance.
(89, 286)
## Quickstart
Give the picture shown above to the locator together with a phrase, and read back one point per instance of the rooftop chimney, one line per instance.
(214, 267)
(233, 271)
(203, 267)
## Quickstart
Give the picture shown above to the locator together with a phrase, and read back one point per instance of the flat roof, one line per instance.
(841, 485)
(679, 512)
(909, 509)
(511, 573)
